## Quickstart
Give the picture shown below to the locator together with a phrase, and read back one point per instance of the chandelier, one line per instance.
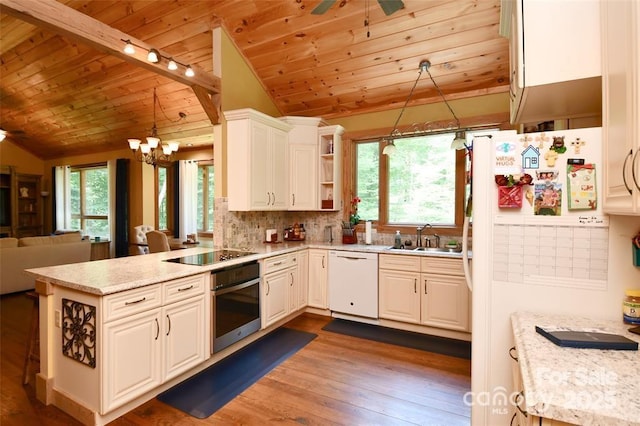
(153, 150)
(460, 135)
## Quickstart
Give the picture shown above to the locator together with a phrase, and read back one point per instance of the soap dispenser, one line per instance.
(397, 243)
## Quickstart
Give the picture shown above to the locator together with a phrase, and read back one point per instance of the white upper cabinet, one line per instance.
(257, 161)
(555, 63)
(303, 162)
(621, 106)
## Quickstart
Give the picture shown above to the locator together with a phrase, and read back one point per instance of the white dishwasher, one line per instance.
(353, 283)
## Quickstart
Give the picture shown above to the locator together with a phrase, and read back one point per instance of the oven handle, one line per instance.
(236, 287)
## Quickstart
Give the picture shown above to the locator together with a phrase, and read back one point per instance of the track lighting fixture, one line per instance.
(128, 48)
(154, 56)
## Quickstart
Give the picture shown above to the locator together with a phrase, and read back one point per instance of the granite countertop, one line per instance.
(102, 277)
(578, 386)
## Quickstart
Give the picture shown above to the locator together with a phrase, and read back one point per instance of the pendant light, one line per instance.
(459, 142)
(153, 150)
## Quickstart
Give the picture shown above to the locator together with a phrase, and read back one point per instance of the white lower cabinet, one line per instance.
(399, 295)
(318, 278)
(133, 358)
(279, 287)
(445, 302)
(424, 290)
(302, 281)
(151, 346)
(276, 296)
(184, 347)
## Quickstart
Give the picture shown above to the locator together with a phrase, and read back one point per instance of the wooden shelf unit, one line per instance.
(27, 210)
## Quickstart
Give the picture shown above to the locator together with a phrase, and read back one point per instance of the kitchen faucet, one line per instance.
(419, 234)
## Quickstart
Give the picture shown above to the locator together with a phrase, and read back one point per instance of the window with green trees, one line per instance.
(163, 206)
(90, 200)
(205, 198)
(424, 181)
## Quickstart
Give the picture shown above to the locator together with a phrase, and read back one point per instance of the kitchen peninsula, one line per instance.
(115, 333)
(563, 385)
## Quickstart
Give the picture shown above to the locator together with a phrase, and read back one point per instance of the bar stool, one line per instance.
(33, 343)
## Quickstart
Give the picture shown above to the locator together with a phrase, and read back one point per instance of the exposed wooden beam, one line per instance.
(211, 107)
(63, 20)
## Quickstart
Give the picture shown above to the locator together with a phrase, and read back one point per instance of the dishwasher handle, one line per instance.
(349, 255)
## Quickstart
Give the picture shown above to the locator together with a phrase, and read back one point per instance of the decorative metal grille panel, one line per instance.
(79, 332)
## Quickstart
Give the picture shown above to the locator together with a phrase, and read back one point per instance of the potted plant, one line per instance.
(349, 235)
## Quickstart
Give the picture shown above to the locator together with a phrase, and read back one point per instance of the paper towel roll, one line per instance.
(367, 232)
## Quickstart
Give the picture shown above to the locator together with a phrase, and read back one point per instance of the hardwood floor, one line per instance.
(334, 380)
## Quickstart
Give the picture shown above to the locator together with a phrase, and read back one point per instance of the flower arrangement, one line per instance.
(354, 217)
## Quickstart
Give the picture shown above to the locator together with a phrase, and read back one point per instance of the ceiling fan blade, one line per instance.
(390, 6)
(323, 7)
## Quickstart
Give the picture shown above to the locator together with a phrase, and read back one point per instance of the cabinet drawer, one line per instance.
(439, 265)
(131, 302)
(277, 263)
(399, 263)
(183, 288)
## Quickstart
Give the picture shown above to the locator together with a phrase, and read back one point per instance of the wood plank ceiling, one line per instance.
(59, 97)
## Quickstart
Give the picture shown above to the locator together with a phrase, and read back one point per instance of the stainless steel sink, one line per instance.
(438, 249)
(427, 249)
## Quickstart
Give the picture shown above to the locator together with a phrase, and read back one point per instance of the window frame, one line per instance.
(485, 123)
(202, 165)
(382, 224)
(171, 170)
(83, 217)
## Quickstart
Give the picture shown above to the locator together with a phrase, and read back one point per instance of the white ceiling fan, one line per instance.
(388, 6)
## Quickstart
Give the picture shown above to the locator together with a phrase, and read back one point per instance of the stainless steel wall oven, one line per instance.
(235, 304)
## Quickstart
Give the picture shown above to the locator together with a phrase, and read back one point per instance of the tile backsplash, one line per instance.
(247, 229)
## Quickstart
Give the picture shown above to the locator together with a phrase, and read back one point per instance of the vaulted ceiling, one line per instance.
(60, 95)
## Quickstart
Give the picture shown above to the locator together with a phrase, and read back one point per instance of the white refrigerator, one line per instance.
(541, 245)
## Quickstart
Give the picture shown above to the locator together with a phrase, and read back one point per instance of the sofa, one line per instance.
(16, 255)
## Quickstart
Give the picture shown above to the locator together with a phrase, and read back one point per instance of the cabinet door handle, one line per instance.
(519, 398)
(512, 351)
(291, 274)
(425, 286)
(268, 287)
(322, 262)
(186, 288)
(293, 199)
(169, 324)
(415, 285)
(135, 301)
(624, 169)
(157, 329)
(274, 198)
(268, 198)
(633, 169)
(277, 263)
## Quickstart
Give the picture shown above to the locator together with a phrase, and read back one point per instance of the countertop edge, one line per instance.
(541, 361)
(121, 272)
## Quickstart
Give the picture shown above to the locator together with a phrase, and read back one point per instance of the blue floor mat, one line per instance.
(206, 392)
(409, 339)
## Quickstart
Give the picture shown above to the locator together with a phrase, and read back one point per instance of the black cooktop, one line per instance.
(210, 257)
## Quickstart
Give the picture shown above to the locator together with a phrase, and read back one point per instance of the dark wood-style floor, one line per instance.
(334, 380)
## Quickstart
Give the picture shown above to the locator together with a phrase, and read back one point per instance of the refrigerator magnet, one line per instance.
(577, 144)
(581, 183)
(548, 199)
